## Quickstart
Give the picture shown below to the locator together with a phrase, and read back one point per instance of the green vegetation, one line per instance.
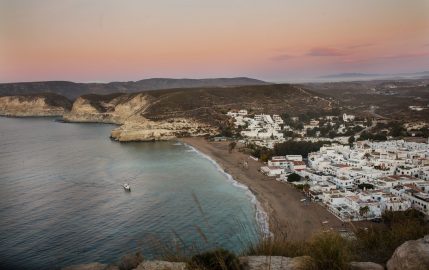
(293, 177)
(262, 153)
(130, 261)
(365, 186)
(325, 250)
(297, 148)
(218, 259)
(329, 250)
(287, 148)
(351, 140)
(226, 131)
(231, 146)
(378, 243)
(372, 136)
(363, 211)
(303, 187)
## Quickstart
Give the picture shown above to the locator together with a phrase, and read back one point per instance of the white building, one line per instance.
(348, 117)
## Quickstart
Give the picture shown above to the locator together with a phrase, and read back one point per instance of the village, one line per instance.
(266, 130)
(354, 180)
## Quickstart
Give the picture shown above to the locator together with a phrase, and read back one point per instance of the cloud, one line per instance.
(325, 51)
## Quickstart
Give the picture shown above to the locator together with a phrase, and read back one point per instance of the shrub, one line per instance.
(218, 259)
(130, 261)
(378, 243)
(297, 148)
(330, 251)
(365, 186)
(293, 177)
(277, 246)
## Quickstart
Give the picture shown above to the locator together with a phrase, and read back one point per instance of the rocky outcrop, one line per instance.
(365, 266)
(152, 265)
(34, 105)
(276, 263)
(115, 109)
(146, 130)
(129, 110)
(411, 255)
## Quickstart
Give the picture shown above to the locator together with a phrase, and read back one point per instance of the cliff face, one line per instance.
(114, 109)
(129, 110)
(34, 105)
(146, 130)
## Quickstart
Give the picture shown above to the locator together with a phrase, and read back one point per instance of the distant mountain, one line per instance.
(367, 76)
(350, 75)
(73, 90)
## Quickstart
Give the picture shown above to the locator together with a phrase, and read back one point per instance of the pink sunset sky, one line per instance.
(274, 40)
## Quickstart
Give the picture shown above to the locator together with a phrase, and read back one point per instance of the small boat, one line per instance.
(126, 187)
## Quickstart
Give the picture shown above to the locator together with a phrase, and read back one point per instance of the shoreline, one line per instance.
(287, 215)
(261, 215)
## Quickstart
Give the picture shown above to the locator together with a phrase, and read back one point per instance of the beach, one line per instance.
(288, 216)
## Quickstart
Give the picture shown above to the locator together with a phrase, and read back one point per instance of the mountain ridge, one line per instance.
(73, 90)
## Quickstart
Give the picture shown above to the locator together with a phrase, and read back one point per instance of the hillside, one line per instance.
(192, 111)
(73, 90)
(388, 98)
(34, 105)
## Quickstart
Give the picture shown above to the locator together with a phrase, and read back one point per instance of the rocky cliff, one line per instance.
(34, 105)
(115, 108)
(145, 130)
(128, 110)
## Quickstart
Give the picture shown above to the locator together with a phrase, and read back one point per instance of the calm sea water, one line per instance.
(61, 200)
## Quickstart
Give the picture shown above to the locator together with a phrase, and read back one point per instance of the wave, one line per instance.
(261, 216)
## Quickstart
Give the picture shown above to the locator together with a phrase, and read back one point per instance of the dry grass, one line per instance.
(377, 244)
(328, 250)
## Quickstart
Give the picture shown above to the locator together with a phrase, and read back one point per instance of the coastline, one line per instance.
(287, 215)
(261, 216)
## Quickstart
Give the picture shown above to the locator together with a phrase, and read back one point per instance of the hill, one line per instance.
(73, 90)
(170, 113)
(389, 98)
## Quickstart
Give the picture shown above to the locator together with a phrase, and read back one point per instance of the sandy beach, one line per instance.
(287, 214)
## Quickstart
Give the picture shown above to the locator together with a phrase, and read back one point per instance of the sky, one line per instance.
(273, 40)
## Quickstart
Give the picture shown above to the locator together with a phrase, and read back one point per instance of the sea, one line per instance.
(62, 202)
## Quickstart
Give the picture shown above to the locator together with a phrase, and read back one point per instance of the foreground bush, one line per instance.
(218, 259)
(377, 244)
(330, 251)
(277, 246)
(130, 261)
